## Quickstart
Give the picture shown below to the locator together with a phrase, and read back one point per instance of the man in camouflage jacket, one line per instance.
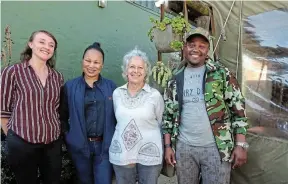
(225, 108)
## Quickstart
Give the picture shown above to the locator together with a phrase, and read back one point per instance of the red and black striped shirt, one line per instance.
(33, 110)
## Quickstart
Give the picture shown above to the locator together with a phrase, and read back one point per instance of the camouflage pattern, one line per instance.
(225, 106)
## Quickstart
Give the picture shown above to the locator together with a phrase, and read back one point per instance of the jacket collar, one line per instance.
(96, 82)
(211, 65)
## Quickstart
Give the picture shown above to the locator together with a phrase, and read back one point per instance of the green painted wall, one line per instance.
(119, 28)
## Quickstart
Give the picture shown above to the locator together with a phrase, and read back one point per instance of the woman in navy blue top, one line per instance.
(87, 116)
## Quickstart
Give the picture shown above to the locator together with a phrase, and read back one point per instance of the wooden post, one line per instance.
(185, 13)
(161, 19)
(162, 12)
(213, 31)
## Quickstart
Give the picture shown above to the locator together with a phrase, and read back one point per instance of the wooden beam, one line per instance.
(162, 12)
(199, 6)
(213, 31)
(161, 19)
(177, 6)
(185, 13)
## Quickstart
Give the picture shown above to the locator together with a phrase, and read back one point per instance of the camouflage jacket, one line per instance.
(225, 106)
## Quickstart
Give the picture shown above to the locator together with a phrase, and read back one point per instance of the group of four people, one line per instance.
(126, 129)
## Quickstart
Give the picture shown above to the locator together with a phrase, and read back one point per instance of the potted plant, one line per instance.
(168, 34)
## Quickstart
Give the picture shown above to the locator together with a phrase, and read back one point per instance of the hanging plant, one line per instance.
(168, 33)
(161, 74)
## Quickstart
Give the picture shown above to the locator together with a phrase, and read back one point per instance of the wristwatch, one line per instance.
(244, 145)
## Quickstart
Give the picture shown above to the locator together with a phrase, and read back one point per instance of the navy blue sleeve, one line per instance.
(64, 110)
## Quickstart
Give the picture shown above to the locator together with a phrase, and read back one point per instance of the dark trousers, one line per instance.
(25, 158)
(95, 169)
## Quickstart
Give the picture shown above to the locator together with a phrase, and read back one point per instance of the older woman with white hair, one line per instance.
(136, 147)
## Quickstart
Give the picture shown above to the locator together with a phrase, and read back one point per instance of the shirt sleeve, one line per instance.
(236, 103)
(7, 91)
(115, 97)
(159, 108)
(62, 80)
(64, 110)
(171, 108)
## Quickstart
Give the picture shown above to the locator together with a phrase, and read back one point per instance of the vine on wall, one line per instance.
(6, 52)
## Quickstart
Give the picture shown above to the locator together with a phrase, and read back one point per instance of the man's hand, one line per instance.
(238, 157)
(170, 156)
